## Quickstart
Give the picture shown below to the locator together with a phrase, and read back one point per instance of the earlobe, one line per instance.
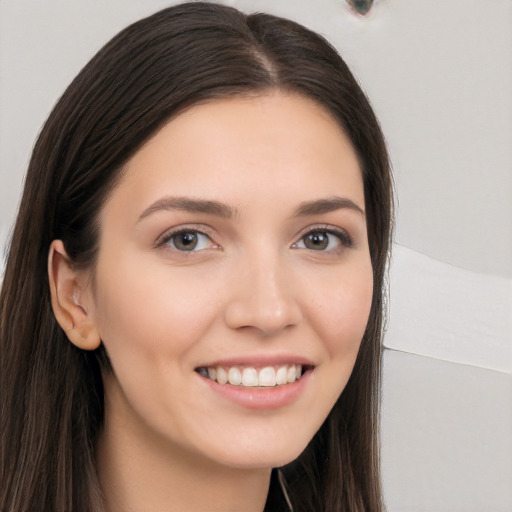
(67, 292)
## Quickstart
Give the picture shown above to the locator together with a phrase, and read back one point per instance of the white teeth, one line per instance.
(234, 376)
(249, 377)
(268, 376)
(222, 375)
(281, 375)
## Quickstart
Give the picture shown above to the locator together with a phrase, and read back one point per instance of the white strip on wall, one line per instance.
(448, 313)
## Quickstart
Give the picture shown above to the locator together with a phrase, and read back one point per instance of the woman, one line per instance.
(193, 292)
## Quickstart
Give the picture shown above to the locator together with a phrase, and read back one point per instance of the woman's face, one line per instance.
(234, 247)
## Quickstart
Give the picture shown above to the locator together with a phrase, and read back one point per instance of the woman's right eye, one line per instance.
(188, 241)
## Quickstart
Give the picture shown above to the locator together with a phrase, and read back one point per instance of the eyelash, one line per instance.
(170, 235)
(343, 237)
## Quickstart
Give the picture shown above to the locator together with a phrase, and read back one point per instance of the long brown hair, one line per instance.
(52, 392)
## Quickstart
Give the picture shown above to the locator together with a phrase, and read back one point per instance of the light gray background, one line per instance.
(439, 74)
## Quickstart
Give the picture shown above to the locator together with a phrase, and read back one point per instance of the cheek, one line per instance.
(340, 310)
(151, 311)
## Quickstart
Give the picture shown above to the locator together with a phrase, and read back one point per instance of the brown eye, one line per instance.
(188, 241)
(185, 241)
(324, 240)
(316, 240)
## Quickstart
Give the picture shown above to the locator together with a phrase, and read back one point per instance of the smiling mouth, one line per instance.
(249, 376)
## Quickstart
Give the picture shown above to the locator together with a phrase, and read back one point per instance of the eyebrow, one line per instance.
(189, 204)
(329, 204)
(211, 207)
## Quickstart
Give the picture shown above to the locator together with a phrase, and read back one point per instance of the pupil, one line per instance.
(316, 241)
(186, 241)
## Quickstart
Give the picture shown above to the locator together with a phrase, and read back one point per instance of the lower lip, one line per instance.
(261, 398)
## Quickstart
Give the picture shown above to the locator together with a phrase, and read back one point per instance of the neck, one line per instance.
(139, 471)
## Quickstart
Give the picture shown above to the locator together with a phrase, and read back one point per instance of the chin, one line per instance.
(257, 455)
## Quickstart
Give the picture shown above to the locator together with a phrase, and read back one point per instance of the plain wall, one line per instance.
(439, 75)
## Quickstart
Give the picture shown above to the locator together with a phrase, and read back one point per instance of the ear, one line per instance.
(69, 295)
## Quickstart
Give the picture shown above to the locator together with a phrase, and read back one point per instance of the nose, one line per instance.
(263, 297)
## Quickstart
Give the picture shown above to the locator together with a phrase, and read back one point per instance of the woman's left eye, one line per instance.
(188, 241)
(323, 240)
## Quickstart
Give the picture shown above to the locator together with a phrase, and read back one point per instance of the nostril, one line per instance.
(265, 316)
(263, 297)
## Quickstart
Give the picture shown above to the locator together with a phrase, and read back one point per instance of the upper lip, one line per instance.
(259, 360)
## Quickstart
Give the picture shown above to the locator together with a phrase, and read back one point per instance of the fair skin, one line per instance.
(236, 238)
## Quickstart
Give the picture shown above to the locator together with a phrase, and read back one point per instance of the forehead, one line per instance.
(241, 148)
